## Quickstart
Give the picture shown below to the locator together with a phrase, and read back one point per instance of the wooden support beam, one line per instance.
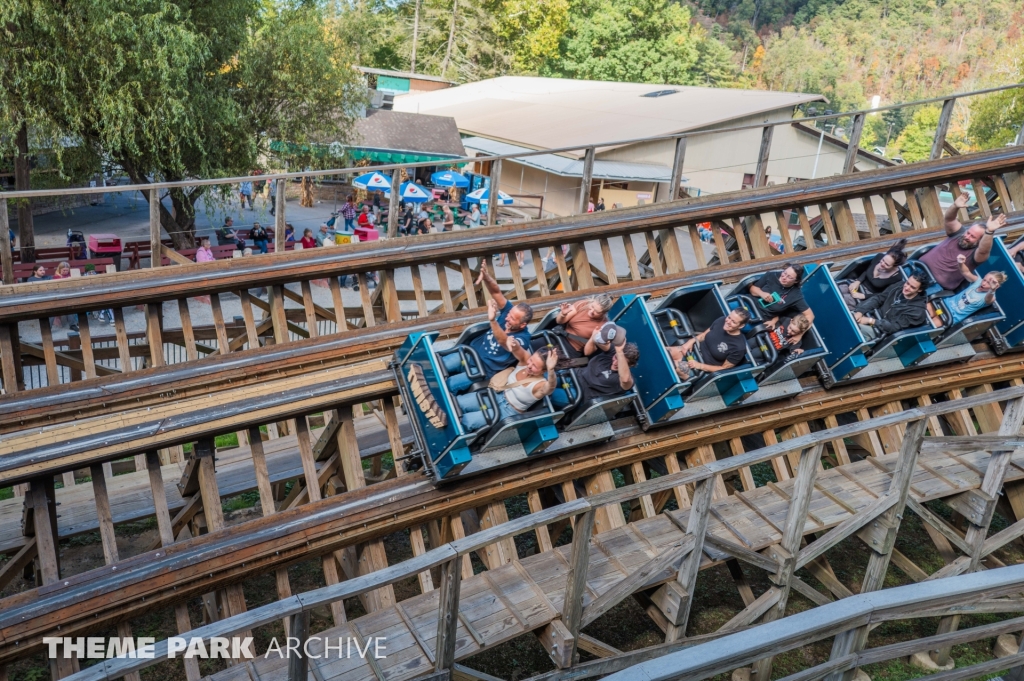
(108, 539)
(44, 520)
(608, 517)
(492, 203)
(761, 172)
(165, 528)
(371, 556)
(881, 537)
(853, 145)
(448, 614)
(939, 140)
(676, 179)
(576, 581)
(154, 228)
(280, 185)
(586, 181)
(786, 551)
(6, 253)
(395, 203)
(682, 589)
(298, 663)
(977, 532)
(17, 563)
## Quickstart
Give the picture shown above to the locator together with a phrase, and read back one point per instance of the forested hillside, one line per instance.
(848, 50)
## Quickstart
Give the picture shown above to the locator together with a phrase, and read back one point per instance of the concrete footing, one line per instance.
(923, 660)
(1006, 645)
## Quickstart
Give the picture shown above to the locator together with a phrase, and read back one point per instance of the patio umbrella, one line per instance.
(483, 196)
(449, 178)
(410, 192)
(372, 182)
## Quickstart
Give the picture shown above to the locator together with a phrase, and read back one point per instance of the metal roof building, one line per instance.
(514, 113)
(618, 171)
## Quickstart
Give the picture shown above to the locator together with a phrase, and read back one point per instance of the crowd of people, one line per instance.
(889, 294)
(521, 376)
(883, 303)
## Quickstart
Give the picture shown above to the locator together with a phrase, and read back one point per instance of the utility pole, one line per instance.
(415, 35)
(451, 38)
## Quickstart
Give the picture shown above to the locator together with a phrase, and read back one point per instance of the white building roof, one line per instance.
(619, 171)
(548, 113)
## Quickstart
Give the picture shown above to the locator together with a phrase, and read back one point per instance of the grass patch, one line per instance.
(246, 500)
(228, 440)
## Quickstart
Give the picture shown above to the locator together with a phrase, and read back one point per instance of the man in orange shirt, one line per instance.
(582, 318)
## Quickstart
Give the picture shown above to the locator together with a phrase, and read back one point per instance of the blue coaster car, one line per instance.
(682, 314)
(449, 448)
(853, 357)
(845, 356)
(783, 369)
(654, 380)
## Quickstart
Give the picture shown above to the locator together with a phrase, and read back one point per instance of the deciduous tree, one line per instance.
(173, 89)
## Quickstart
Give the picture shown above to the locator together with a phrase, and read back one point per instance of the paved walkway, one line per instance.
(127, 215)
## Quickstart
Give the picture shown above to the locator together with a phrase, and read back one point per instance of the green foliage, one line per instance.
(170, 89)
(915, 143)
(375, 34)
(996, 119)
(880, 130)
(532, 31)
(752, 13)
(901, 50)
(641, 41)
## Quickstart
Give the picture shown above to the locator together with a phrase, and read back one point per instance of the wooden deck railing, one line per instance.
(875, 524)
(425, 275)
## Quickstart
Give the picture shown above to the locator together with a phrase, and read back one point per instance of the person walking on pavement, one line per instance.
(244, 194)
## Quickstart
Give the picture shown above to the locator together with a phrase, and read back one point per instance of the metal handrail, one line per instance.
(742, 648)
(35, 193)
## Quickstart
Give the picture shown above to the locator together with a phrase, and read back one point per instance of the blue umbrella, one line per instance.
(372, 182)
(410, 192)
(449, 178)
(483, 196)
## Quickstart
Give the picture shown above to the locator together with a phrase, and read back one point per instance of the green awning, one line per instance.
(356, 153)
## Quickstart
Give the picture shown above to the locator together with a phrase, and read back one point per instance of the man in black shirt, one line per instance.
(900, 307)
(227, 235)
(607, 374)
(779, 292)
(722, 346)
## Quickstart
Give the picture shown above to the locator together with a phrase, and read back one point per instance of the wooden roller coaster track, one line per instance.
(559, 590)
(127, 399)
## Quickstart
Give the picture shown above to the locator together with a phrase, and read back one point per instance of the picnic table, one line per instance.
(23, 270)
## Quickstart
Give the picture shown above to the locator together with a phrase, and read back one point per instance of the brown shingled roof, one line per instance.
(401, 131)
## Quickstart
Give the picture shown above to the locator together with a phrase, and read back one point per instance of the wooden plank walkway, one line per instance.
(498, 605)
(131, 498)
